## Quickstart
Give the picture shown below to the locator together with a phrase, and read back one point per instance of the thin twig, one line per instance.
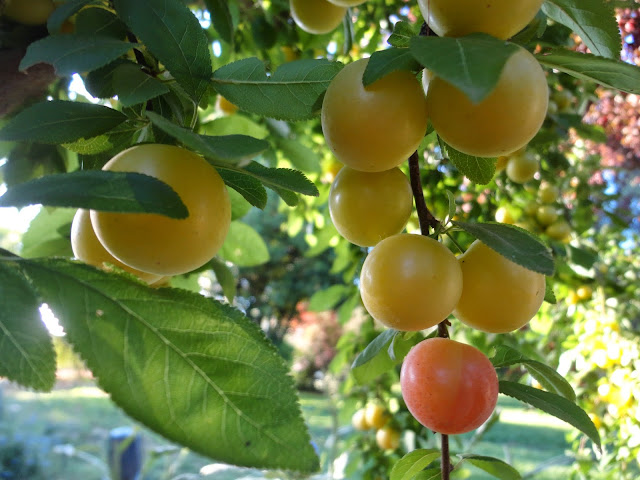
(425, 217)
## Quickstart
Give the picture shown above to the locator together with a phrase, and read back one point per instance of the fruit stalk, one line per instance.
(427, 220)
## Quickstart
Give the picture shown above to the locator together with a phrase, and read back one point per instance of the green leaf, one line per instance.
(224, 148)
(613, 74)
(26, 351)
(429, 474)
(324, 300)
(98, 190)
(174, 36)
(117, 140)
(552, 404)
(190, 368)
(62, 12)
(345, 312)
(293, 92)
(58, 121)
(386, 61)
(374, 360)
(225, 278)
(27, 161)
(472, 63)
(477, 169)
(593, 20)
(376, 347)
(49, 234)
(236, 125)
(221, 18)
(99, 83)
(582, 256)
(250, 188)
(74, 52)
(550, 379)
(402, 34)
(289, 197)
(413, 463)
(282, 178)
(493, 466)
(243, 246)
(99, 21)
(535, 29)
(133, 86)
(514, 243)
(549, 295)
(300, 156)
(239, 206)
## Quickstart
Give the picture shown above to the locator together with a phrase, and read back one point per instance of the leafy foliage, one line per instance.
(141, 342)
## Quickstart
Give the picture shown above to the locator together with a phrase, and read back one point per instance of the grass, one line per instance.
(82, 417)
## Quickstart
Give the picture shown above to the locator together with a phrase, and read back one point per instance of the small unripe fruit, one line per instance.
(503, 215)
(546, 215)
(522, 167)
(359, 420)
(375, 415)
(548, 193)
(388, 438)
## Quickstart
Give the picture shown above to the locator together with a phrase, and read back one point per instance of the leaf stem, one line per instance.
(427, 221)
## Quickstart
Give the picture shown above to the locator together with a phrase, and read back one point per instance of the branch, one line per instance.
(425, 217)
(427, 220)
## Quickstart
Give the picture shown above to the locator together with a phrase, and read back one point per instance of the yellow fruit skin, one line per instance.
(28, 12)
(225, 106)
(501, 162)
(87, 247)
(498, 296)
(410, 282)
(375, 416)
(159, 244)
(503, 215)
(375, 128)
(584, 292)
(359, 421)
(546, 215)
(388, 438)
(500, 18)
(367, 207)
(548, 193)
(559, 230)
(316, 16)
(522, 167)
(347, 3)
(506, 120)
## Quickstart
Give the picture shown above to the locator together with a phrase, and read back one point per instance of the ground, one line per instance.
(65, 432)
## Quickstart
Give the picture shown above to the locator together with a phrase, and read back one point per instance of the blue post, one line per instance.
(125, 454)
